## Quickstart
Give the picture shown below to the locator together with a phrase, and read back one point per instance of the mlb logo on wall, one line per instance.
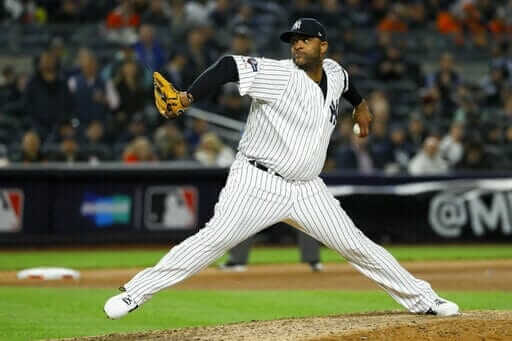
(107, 210)
(11, 210)
(169, 208)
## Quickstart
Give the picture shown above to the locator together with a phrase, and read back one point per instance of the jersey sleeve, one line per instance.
(260, 78)
(338, 74)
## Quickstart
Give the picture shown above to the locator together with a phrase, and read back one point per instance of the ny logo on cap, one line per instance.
(297, 25)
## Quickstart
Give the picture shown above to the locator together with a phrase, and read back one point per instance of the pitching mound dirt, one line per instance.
(386, 326)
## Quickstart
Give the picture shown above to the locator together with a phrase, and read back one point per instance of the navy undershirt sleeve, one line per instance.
(223, 71)
(352, 95)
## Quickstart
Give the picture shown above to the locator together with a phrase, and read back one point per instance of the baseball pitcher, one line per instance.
(275, 176)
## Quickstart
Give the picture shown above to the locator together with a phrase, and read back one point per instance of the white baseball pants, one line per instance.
(252, 200)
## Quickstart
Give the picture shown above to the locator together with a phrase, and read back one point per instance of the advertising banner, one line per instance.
(168, 204)
(11, 210)
(94, 208)
(431, 211)
(171, 207)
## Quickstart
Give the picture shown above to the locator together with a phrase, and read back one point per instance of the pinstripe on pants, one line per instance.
(253, 199)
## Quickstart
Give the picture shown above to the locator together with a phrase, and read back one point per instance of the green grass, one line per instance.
(40, 313)
(143, 258)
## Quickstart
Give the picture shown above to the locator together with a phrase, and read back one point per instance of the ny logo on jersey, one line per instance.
(253, 63)
(297, 25)
(334, 112)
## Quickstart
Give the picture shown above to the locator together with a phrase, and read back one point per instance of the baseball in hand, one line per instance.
(356, 129)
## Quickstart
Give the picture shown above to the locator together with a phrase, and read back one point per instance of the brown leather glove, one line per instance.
(167, 98)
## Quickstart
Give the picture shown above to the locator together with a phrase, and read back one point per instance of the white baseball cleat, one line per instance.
(233, 267)
(119, 305)
(316, 266)
(443, 307)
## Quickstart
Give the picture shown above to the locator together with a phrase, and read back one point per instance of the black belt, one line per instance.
(263, 168)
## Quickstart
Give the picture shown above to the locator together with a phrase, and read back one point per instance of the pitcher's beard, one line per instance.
(308, 64)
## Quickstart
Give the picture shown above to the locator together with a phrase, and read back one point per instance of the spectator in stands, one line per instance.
(174, 68)
(416, 15)
(416, 132)
(158, 13)
(502, 56)
(493, 138)
(303, 9)
(380, 106)
(507, 109)
(221, 14)
(430, 111)
(148, 49)
(47, 98)
(378, 53)
(12, 97)
(507, 149)
(69, 152)
(357, 14)
(196, 12)
(170, 144)
(198, 128)
(180, 19)
(379, 9)
(446, 80)
(113, 65)
(136, 128)
(94, 97)
(232, 105)
(30, 149)
(494, 85)
(343, 133)
(212, 152)
(401, 151)
(468, 110)
(475, 158)
(139, 150)
(393, 21)
(428, 160)
(66, 129)
(241, 41)
(11, 11)
(340, 137)
(69, 12)
(122, 22)
(8, 89)
(330, 13)
(499, 25)
(392, 66)
(381, 147)
(198, 58)
(452, 144)
(64, 58)
(355, 156)
(132, 94)
(95, 146)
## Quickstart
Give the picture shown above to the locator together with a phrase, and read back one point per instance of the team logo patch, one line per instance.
(171, 208)
(253, 63)
(296, 26)
(11, 210)
(334, 112)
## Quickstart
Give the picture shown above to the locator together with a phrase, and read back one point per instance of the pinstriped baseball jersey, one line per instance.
(290, 122)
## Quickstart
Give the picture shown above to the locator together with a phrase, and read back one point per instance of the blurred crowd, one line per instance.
(85, 104)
